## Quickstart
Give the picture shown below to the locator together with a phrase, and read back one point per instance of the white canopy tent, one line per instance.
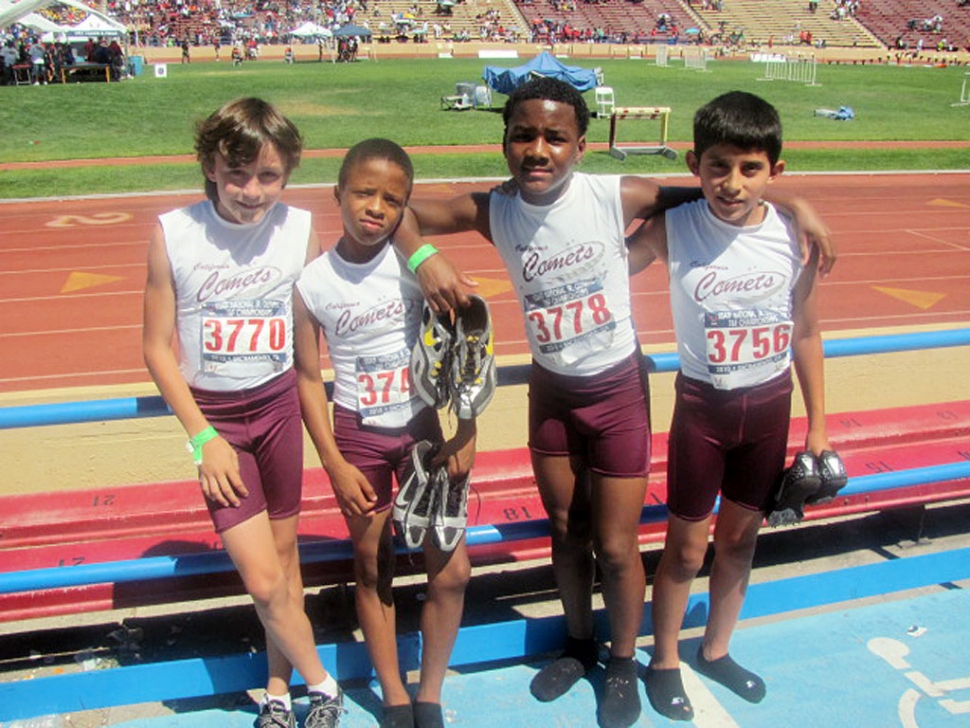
(94, 25)
(311, 30)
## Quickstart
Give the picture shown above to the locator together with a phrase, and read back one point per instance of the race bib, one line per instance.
(745, 347)
(242, 337)
(568, 322)
(384, 389)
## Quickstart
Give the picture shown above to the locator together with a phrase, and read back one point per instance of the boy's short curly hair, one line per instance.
(376, 148)
(548, 89)
(740, 119)
(238, 130)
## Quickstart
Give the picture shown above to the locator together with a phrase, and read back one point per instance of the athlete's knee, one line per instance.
(683, 561)
(268, 589)
(454, 577)
(374, 570)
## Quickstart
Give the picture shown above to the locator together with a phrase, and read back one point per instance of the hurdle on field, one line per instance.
(695, 59)
(640, 113)
(802, 69)
(964, 91)
(663, 55)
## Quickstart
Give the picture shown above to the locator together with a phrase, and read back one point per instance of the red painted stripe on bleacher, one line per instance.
(49, 530)
(503, 483)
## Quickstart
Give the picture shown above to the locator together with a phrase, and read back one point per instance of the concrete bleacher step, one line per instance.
(129, 523)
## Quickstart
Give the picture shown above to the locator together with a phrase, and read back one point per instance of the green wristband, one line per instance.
(194, 445)
(420, 255)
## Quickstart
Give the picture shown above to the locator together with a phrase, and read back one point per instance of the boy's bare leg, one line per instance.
(682, 558)
(285, 538)
(253, 551)
(735, 538)
(565, 493)
(373, 597)
(448, 575)
(616, 507)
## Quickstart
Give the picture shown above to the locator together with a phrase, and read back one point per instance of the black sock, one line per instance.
(428, 715)
(665, 689)
(398, 716)
(732, 676)
(621, 699)
(555, 679)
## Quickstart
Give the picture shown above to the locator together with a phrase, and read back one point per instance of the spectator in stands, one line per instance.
(233, 260)
(117, 61)
(38, 63)
(9, 57)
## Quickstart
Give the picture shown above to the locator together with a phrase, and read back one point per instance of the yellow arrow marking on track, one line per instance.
(488, 287)
(78, 281)
(945, 203)
(920, 299)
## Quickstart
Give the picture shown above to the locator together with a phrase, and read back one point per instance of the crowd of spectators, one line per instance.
(40, 63)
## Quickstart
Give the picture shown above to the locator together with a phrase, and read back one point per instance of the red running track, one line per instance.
(72, 271)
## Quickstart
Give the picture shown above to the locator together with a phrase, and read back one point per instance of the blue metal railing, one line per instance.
(126, 408)
(161, 567)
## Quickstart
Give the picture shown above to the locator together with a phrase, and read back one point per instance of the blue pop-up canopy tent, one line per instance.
(506, 80)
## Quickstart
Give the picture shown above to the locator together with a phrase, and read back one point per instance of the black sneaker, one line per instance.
(273, 714)
(831, 470)
(798, 483)
(324, 711)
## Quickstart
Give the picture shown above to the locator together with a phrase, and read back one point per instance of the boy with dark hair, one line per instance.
(740, 296)
(561, 234)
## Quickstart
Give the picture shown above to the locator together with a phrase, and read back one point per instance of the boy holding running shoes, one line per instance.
(371, 311)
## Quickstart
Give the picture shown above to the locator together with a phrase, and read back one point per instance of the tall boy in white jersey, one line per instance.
(740, 297)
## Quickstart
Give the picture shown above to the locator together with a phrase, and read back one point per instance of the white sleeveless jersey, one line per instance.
(234, 293)
(568, 264)
(370, 314)
(731, 295)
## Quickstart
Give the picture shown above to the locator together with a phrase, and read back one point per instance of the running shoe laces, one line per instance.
(274, 714)
(473, 375)
(451, 509)
(325, 711)
(416, 497)
(431, 358)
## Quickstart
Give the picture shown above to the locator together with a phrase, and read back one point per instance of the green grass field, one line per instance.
(337, 105)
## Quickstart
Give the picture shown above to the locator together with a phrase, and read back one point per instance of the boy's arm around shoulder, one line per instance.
(353, 491)
(441, 281)
(810, 228)
(809, 356)
(643, 197)
(219, 474)
(647, 243)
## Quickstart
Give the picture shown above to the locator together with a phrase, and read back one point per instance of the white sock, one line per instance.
(328, 687)
(285, 699)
